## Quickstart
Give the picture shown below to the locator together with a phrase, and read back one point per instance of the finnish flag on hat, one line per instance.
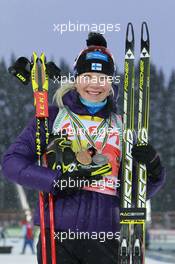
(96, 66)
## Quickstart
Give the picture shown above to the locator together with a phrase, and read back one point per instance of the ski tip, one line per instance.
(130, 32)
(144, 23)
(145, 42)
(129, 37)
(144, 31)
(130, 23)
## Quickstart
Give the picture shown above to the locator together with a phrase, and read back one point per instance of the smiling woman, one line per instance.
(94, 72)
(94, 87)
(83, 168)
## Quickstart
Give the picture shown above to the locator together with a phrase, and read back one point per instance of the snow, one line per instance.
(150, 261)
(18, 259)
(29, 259)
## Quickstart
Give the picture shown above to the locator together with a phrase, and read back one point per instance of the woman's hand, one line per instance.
(147, 155)
(61, 157)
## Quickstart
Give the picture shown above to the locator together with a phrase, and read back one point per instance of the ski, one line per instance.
(138, 240)
(128, 134)
(133, 212)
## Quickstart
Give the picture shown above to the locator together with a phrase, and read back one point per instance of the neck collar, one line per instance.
(72, 100)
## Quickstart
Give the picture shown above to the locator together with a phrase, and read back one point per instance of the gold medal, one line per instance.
(84, 157)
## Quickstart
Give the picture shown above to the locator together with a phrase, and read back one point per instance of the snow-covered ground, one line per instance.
(28, 258)
(16, 259)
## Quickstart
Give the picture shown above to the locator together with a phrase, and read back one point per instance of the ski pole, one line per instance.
(41, 105)
(26, 71)
(51, 203)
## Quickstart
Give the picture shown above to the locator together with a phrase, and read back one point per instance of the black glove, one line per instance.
(21, 70)
(58, 145)
(147, 154)
(53, 71)
(60, 156)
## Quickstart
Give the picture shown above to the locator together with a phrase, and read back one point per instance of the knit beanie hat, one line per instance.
(95, 58)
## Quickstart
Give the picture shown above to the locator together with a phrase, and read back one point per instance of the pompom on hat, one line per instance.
(95, 58)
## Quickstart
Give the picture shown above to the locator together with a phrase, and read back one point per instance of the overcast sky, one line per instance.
(29, 25)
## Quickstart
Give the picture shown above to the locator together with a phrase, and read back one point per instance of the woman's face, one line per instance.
(93, 86)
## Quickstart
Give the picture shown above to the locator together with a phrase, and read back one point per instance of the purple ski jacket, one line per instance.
(85, 210)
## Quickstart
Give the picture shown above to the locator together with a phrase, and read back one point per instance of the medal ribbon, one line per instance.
(92, 139)
(59, 119)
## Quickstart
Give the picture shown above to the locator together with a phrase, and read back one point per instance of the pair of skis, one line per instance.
(133, 198)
